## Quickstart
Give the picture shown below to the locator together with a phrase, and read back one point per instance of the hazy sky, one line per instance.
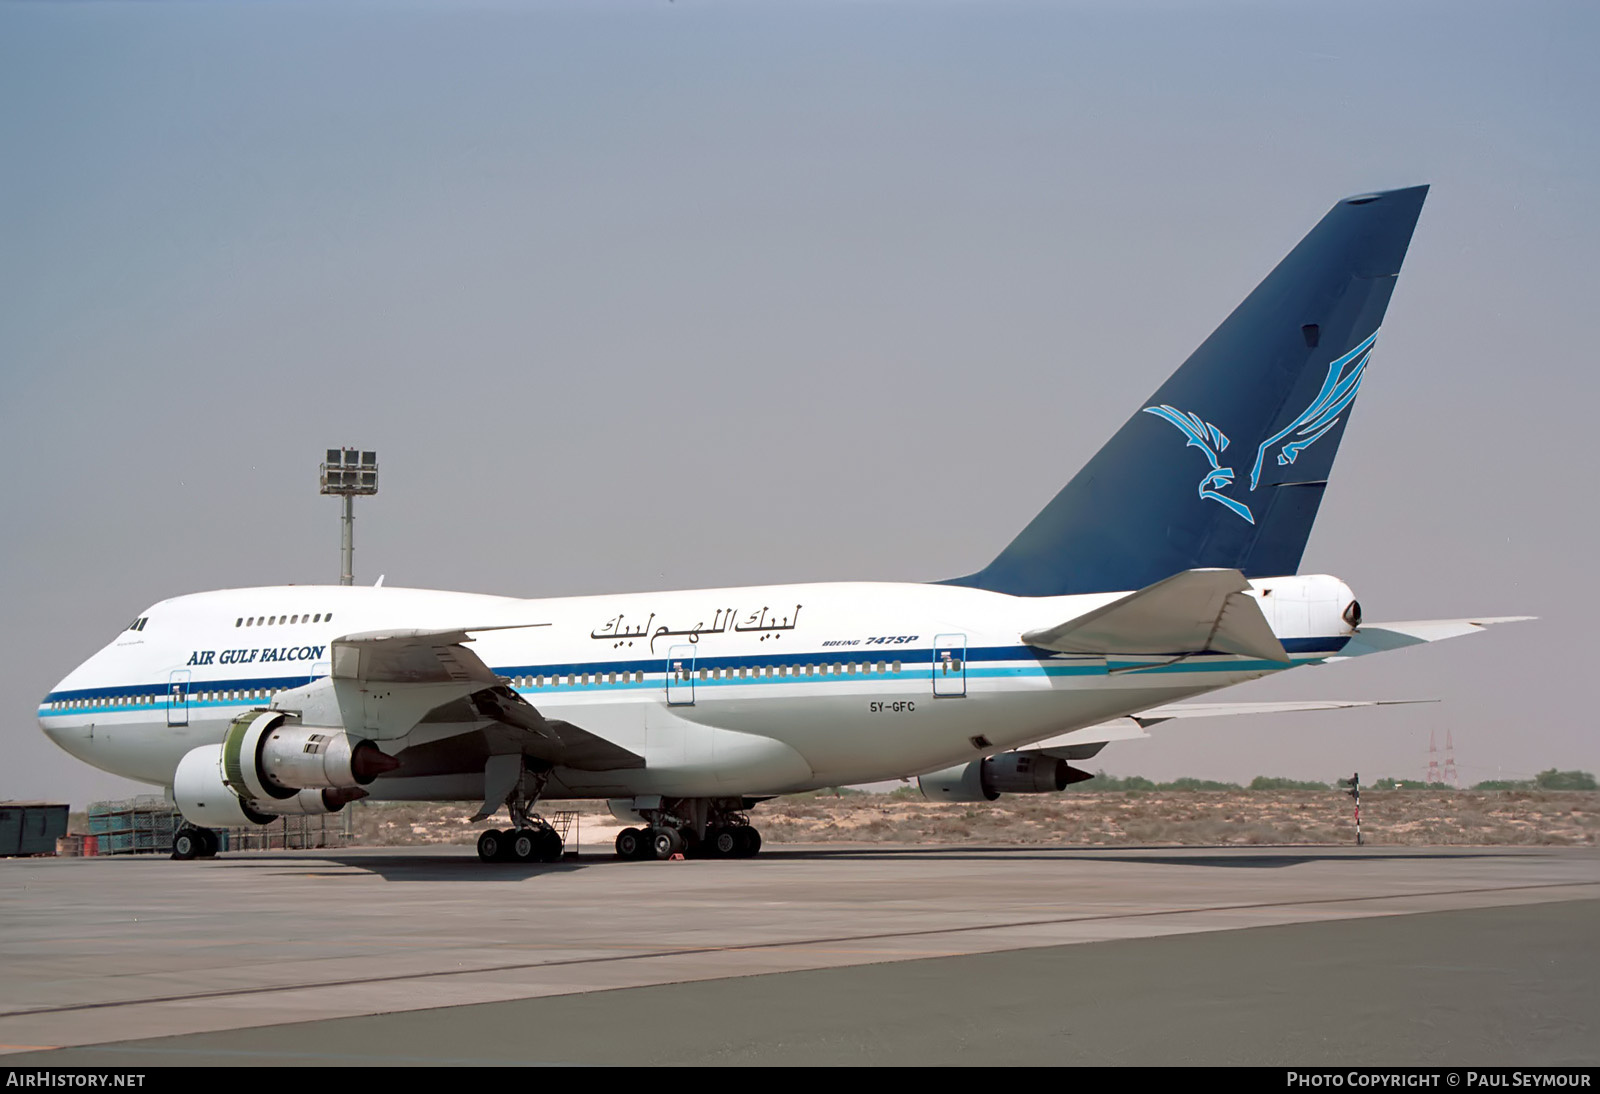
(667, 295)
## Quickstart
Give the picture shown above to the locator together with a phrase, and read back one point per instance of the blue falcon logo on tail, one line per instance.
(1338, 392)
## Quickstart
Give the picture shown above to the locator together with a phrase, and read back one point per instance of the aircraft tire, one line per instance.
(186, 844)
(665, 842)
(210, 844)
(629, 843)
(491, 845)
(524, 845)
(749, 841)
(723, 842)
(550, 846)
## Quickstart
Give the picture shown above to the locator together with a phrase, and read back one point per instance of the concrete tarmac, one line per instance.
(813, 955)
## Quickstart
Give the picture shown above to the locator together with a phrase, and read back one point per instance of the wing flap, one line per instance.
(555, 740)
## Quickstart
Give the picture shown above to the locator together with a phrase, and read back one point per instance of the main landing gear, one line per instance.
(693, 828)
(722, 841)
(538, 843)
(508, 779)
(191, 842)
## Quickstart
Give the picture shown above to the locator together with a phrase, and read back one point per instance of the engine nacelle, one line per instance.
(269, 756)
(1027, 773)
(206, 798)
(269, 765)
(1008, 773)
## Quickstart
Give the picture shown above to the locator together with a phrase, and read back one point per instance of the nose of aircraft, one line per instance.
(57, 724)
(49, 724)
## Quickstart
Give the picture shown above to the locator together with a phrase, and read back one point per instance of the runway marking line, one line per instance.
(797, 943)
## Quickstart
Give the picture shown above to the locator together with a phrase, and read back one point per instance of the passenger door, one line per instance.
(178, 698)
(949, 666)
(680, 676)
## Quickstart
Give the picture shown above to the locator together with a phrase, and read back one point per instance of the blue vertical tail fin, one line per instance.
(1225, 465)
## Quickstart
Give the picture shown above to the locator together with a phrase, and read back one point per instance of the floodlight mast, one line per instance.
(345, 473)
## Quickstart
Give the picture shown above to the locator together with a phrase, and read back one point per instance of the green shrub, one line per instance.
(1273, 782)
(1564, 780)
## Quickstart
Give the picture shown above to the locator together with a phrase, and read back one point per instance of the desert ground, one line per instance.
(1089, 818)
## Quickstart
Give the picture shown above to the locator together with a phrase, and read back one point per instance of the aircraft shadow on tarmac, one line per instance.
(399, 866)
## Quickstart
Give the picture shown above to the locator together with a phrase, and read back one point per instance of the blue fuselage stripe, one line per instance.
(915, 663)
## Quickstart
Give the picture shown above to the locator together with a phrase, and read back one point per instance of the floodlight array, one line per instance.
(349, 472)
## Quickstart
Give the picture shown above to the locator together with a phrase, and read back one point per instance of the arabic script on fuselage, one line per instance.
(619, 631)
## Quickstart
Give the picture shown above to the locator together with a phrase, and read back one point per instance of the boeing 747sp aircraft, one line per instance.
(1167, 568)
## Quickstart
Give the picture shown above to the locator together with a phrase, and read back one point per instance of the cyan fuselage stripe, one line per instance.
(916, 663)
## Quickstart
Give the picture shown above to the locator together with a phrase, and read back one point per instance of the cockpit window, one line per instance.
(138, 624)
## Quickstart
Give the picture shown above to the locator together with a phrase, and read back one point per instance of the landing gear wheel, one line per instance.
(187, 844)
(524, 845)
(491, 845)
(665, 842)
(630, 841)
(210, 843)
(550, 846)
(749, 841)
(723, 842)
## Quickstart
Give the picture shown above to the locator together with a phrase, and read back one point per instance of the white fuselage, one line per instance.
(744, 691)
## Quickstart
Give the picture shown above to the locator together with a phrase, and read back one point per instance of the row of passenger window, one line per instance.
(746, 672)
(140, 700)
(282, 620)
(767, 671)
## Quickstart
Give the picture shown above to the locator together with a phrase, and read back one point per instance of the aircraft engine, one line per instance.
(1008, 773)
(207, 799)
(269, 765)
(269, 755)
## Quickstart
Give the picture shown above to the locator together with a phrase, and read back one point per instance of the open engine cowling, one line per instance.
(269, 765)
(205, 798)
(1008, 773)
(268, 754)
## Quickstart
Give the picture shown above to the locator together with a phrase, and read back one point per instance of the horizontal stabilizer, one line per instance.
(1380, 637)
(1192, 612)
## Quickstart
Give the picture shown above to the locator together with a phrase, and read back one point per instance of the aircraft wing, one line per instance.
(1081, 744)
(413, 656)
(556, 740)
(1190, 612)
(1380, 637)
(423, 670)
